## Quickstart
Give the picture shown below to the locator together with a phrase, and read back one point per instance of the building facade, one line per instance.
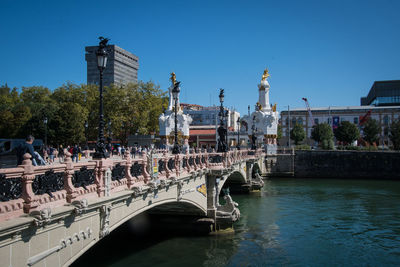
(122, 66)
(384, 115)
(205, 122)
(383, 93)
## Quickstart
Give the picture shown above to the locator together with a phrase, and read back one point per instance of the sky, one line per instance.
(328, 51)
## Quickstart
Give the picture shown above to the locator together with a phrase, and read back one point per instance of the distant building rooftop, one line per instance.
(340, 109)
(383, 93)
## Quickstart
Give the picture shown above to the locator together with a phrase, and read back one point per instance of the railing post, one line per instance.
(166, 159)
(30, 200)
(194, 155)
(146, 175)
(177, 165)
(186, 158)
(128, 164)
(69, 172)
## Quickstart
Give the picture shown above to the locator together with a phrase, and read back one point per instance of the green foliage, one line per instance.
(297, 134)
(131, 108)
(322, 133)
(280, 133)
(395, 134)
(303, 147)
(347, 132)
(349, 147)
(371, 130)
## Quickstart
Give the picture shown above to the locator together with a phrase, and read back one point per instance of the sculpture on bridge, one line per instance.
(265, 75)
(167, 120)
(266, 117)
(229, 211)
(222, 146)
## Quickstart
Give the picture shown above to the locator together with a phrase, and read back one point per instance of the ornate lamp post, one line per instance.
(238, 129)
(86, 135)
(45, 132)
(222, 147)
(101, 55)
(175, 93)
(253, 134)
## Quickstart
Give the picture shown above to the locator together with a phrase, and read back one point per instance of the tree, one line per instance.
(13, 113)
(322, 133)
(395, 134)
(297, 134)
(279, 132)
(131, 108)
(371, 130)
(347, 132)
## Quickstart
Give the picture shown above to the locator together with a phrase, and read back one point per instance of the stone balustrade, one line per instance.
(27, 188)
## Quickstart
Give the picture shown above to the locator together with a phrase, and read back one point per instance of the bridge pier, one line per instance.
(223, 215)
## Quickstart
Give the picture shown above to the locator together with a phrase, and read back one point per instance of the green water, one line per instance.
(291, 222)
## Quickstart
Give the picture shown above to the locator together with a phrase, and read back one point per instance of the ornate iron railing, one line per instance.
(48, 183)
(83, 177)
(118, 172)
(10, 188)
(136, 169)
(171, 164)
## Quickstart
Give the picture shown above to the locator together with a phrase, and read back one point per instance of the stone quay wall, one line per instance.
(347, 164)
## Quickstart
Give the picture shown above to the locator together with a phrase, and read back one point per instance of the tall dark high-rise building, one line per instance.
(122, 66)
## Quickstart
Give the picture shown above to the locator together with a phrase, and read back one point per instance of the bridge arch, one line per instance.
(256, 169)
(236, 182)
(166, 206)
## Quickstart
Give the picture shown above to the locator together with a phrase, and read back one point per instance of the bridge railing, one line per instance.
(28, 188)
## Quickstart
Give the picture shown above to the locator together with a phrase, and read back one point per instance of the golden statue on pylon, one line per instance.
(173, 78)
(265, 75)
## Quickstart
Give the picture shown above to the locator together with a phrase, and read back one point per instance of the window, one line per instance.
(300, 121)
(316, 121)
(386, 120)
(355, 120)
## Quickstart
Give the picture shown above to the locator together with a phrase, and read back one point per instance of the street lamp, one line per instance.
(222, 147)
(288, 109)
(45, 132)
(101, 55)
(238, 129)
(253, 134)
(86, 134)
(175, 94)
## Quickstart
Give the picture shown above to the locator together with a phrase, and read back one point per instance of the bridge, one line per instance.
(51, 215)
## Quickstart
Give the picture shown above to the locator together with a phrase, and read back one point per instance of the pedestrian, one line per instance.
(79, 153)
(122, 151)
(134, 149)
(45, 154)
(51, 154)
(75, 152)
(24, 148)
(61, 153)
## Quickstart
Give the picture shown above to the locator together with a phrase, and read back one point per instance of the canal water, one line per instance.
(291, 222)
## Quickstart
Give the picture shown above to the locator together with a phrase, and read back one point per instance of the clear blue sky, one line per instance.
(328, 51)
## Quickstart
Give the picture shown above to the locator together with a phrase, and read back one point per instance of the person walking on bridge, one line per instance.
(24, 148)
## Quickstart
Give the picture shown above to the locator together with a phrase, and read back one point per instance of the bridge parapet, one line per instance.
(29, 188)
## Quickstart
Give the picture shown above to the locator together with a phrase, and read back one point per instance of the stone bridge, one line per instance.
(51, 215)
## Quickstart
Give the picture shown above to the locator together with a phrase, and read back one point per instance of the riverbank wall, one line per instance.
(338, 164)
